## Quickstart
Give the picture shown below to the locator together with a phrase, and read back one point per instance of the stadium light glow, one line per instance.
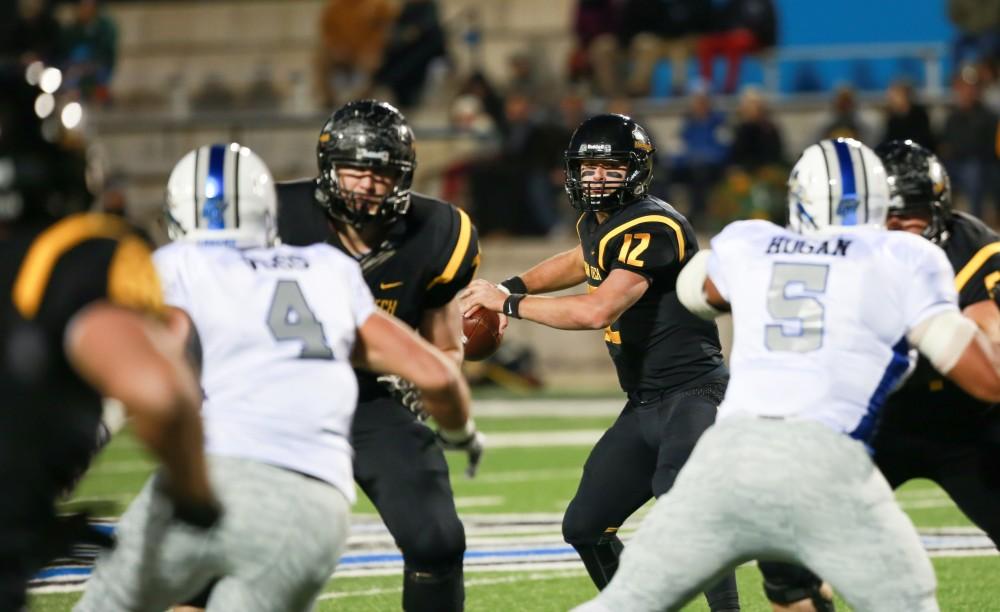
(71, 115)
(44, 105)
(50, 80)
(33, 73)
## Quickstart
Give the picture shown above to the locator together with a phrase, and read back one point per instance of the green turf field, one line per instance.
(531, 473)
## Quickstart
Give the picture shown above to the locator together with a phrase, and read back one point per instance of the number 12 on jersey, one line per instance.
(801, 309)
(290, 318)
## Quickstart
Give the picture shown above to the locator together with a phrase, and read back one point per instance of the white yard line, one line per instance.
(471, 582)
(549, 407)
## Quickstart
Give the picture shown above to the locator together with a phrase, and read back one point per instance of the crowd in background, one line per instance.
(85, 48)
(727, 157)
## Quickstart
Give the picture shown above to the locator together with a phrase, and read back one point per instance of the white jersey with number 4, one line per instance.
(277, 327)
(820, 321)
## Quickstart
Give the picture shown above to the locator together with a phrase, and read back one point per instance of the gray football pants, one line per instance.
(758, 488)
(276, 546)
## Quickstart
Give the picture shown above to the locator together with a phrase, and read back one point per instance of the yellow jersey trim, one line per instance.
(458, 254)
(132, 278)
(49, 246)
(647, 219)
(977, 261)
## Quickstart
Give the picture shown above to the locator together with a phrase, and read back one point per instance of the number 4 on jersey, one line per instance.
(290, 318)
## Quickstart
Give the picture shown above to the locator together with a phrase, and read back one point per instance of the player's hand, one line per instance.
(201, 513)
(472, 444)
(504, 321)
(405, 393)
(481, 294)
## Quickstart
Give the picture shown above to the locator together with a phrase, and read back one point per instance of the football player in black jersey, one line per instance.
(929, 427)
(82, 317)
(632, 246)
(416, 254)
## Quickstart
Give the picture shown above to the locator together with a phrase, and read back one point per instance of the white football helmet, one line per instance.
(837, 183)
(222, 194)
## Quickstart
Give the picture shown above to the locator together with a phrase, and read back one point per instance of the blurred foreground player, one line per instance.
(930, 428)
(416, 253)
(82, 318)
(280, 327)
(824, 313)
(632, 247)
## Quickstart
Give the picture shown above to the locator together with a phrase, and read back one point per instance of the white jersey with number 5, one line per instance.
(820, 321)
(277, 328)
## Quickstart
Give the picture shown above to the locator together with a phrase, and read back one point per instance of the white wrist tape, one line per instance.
(502, 288)
(943, 338)
(459, 435)
(691, 287)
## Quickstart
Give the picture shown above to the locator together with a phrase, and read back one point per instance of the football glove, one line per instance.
(405, 393)
(468, 440)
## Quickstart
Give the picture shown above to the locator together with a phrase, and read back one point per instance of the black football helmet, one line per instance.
(615, 139)
(365, 134)
(918, 185)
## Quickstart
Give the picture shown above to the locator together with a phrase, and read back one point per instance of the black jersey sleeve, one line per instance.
(458, 263)
(645, 245)
(977, 280)
(301, 220)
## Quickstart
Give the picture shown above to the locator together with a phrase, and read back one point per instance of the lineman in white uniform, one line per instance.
(823, 315)
(280, 328)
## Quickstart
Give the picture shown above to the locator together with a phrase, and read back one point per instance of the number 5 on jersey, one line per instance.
(633, 246)
(290, 318)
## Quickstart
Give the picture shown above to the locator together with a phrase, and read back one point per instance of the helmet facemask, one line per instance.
(611, 193)
(357, 208)
(366, 135)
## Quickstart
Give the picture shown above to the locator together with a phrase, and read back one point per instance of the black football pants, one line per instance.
(401, 468)
(636, 459)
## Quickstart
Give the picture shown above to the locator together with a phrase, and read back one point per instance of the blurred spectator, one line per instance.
(757, 140)
(741, 27)
(968, 145)
(527, 75)
(754, 187)
(416, 40)
(595, 24)
(33, 33)
(262, 94)
(845, 122)
(905, 117)
(978, 24)
(514, 193)
(213, 95)
(90, 48)
(352, 40)
(652, 29)
(478, 86)
(702, 158)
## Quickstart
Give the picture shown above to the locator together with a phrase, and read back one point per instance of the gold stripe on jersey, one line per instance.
(49, 246)
(132, 279)
(647, 219)
(582, 215)
(457, 255)
(991, 281)
(969, 270)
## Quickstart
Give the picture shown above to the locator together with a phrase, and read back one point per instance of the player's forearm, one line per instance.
(449, 404)
(567, 312)
(561, 271)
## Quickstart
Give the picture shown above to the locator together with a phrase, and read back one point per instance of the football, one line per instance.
(481, 334)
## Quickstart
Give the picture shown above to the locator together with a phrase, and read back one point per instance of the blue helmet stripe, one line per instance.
(848, 207)
(213, 211)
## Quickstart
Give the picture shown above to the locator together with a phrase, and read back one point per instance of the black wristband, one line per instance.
(514, 284)
(512, 305)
